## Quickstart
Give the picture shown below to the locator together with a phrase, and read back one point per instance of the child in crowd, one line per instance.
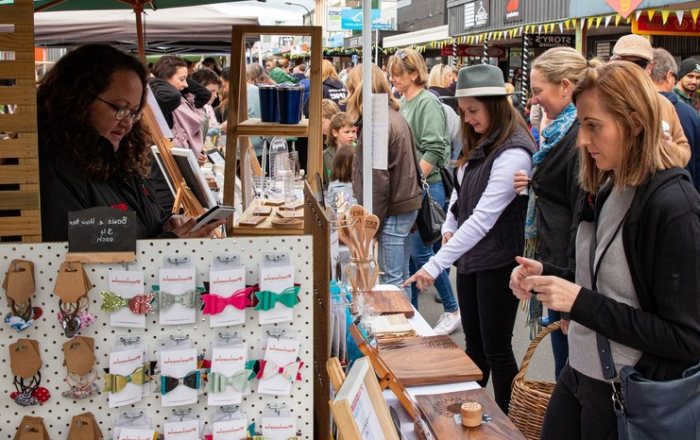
(341, 132)
(340, 188)
(328, 109)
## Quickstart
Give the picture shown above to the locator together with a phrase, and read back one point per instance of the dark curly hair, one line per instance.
(63, 98)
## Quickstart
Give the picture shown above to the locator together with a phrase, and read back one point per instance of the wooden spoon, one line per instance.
(371, 226)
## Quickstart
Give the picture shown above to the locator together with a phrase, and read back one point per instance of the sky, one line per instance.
(270, 12)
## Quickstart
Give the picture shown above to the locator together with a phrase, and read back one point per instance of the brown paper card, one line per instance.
(82, 427)
(25, 360)
(19, 281)
(79, 355)
(31, 428)
(71, 282)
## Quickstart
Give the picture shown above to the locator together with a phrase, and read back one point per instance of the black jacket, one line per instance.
(661, 238)
(555, 182)
(690, 123)
(169, 98)
(66, 188)
(333, 90)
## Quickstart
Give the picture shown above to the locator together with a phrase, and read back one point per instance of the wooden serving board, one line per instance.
(389, 302)
(428, 360)
(439, 411)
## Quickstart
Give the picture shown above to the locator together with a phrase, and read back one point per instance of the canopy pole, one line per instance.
(367, 147)
(138, 10)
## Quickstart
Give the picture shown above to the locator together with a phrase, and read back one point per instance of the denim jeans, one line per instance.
(395, 249)
(421, 253)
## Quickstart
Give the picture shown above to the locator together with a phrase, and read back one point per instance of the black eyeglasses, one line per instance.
(641, 63)
(122, 112)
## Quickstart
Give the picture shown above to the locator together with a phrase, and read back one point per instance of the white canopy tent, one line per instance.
(196, 27)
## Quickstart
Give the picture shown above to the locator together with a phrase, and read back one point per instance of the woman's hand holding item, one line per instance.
(174, 222)
(201, 159)
(185, 230)
(526, 268)
(555, 293)
(422, 279)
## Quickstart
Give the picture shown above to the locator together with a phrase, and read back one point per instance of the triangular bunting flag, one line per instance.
(566, 24)
(607, 20)
(650, 14)
(597, 22)
(694, 14)
(561, 28)
(637, 15)
(617, 19)
(590, 24)
(583, 23)
(575, 22)
(539, 29)
(551, 27)
(679, 16)
(664, 16)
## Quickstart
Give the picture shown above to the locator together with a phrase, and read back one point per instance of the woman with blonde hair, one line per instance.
(396, 195)
(553, 190)
(635, 299)
(428, 122)
(333, 87)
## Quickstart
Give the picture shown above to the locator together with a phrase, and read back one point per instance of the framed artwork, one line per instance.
(189, 168)
(161, 166)
(359, 408)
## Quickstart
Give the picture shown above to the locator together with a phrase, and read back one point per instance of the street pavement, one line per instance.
(542, 365)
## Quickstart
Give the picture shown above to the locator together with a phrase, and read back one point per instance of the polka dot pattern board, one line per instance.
(58, 411)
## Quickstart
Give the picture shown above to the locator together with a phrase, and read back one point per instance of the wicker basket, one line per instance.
(529, 398)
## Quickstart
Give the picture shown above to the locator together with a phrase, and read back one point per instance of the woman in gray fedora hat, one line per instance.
(484, 227)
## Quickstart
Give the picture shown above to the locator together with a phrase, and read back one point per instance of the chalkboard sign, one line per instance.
(101, 229)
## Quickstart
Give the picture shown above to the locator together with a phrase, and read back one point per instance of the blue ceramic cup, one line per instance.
(290, 98)
(269, 107)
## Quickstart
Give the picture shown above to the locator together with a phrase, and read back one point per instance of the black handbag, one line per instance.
(652, 410)
(447, 181)
(648, 409)
(430, 219)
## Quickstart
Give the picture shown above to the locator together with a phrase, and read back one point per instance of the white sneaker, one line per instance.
(448, 323)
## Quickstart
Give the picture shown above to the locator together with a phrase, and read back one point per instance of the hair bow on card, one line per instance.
(267, 299)
(115, 383)
(139, 305)
(290, 371)
(217, 383)
(215, 304)
(191, 380)
(188, 300)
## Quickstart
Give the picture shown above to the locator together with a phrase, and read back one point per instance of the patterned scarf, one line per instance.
(551, 135)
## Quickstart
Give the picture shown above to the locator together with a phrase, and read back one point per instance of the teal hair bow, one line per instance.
(217, 383)
(267, 299)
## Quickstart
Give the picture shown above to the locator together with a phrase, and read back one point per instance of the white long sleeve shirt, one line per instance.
(497, 196)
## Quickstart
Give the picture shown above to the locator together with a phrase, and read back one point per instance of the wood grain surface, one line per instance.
(428, 360)
(440, 409)
(388, 302)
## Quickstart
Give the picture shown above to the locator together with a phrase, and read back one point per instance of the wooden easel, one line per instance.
(385, 377)
(184, 198)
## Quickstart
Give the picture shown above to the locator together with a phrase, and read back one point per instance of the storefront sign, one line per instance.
(472, 51)
(334, 20)
(514, 11)
(552, 40)
(656, 27)
(624, 7)
(476, 14)
(351, 19)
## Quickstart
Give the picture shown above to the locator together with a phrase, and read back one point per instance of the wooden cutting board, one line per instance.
(428, 360)
(389, 302)
(439, 411)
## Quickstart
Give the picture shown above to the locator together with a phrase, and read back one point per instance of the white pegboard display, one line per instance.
(58, 411)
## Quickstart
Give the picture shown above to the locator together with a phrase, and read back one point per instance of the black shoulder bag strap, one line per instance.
(604, 351)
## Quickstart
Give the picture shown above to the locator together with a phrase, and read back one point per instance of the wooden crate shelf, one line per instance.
(20, 219)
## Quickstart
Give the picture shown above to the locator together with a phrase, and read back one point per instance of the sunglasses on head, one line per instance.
(401, 54)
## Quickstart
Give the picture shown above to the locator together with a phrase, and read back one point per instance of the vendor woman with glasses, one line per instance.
(93, 147)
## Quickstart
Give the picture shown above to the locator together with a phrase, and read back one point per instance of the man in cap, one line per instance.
(688, 79)
(638, 50)
(663, 74)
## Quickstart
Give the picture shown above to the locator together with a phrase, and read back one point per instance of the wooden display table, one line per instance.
(266, 227)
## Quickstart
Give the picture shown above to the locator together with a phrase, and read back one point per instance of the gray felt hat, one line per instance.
(480, 80)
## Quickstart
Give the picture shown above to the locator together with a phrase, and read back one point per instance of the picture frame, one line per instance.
(161, 166)
(189, 168)
(359, 408)
(215, 157)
